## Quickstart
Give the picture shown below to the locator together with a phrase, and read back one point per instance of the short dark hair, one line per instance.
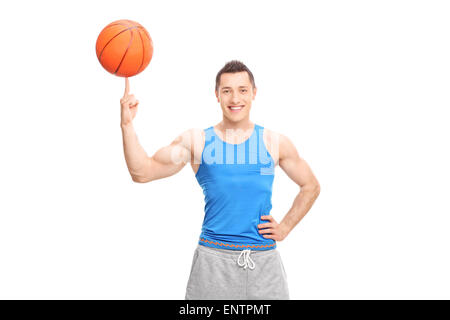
(233, 67)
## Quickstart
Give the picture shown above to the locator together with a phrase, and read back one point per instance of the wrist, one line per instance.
(126, 125)
(285, 228)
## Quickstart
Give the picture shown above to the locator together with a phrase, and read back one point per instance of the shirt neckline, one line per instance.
(235, 144)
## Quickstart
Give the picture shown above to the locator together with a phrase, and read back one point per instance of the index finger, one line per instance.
(127, 87)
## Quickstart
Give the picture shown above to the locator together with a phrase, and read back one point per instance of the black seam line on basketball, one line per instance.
(108, 26)
(148, 37)
(100, 55)
(129, 45)
(143, 52)
(145, 31)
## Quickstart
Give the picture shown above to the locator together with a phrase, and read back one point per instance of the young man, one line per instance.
(234, 162)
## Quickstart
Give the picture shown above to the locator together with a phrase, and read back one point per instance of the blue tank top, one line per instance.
(237, 183)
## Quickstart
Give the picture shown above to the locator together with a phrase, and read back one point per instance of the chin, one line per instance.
(235, 119)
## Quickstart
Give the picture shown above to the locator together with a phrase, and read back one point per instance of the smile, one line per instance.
(235, 108)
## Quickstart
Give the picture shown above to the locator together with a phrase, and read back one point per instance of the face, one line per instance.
(235, 90)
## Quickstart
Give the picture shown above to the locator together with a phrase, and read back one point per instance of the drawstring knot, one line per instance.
(248, 262)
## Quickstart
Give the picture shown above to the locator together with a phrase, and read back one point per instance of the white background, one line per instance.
(360, 87)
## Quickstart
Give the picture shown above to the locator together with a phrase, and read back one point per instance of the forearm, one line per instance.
(135, 155)
(302, 204)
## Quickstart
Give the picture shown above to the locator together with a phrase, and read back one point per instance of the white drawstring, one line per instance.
(248, 262)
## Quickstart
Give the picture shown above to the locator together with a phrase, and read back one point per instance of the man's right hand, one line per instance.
(128, 105)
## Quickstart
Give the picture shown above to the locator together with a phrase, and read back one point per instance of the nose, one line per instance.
(235, 99)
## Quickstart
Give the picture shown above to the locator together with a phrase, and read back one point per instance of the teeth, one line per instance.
(235, 108)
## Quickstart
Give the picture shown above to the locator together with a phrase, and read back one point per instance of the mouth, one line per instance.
(235, 109)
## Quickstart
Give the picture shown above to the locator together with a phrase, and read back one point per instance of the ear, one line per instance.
(217, 95)
(254, 92)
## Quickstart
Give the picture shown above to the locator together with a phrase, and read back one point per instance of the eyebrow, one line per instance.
(230, 87)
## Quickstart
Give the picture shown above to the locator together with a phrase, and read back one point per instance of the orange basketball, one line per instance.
(124, 48)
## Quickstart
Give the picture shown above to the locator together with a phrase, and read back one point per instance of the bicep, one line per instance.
(168, 160)
(295, 166)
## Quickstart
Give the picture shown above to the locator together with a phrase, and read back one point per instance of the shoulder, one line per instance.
(271, 135)
(287, 148)
(281, 142)
(190, 137)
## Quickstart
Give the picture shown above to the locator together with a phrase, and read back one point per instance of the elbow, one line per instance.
(312, 188)
(136, 179)
(140, 176)
(139, 179)
(317, 190)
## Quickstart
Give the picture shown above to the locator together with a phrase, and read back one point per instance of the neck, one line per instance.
(244, 124)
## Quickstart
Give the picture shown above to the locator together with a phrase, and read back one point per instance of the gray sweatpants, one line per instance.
(236, 275)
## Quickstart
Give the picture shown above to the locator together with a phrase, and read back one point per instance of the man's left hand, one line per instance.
(272, 230)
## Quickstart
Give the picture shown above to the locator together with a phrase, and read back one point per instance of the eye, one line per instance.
(244, 90)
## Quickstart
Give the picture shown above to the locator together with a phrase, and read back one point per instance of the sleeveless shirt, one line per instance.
(237, 184)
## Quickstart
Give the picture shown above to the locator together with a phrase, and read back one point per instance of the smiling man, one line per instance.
(234, 162)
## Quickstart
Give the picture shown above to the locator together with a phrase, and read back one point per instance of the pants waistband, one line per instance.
(243, 258)
(229, 252)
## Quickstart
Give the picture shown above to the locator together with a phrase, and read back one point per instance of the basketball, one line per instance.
(124, 48)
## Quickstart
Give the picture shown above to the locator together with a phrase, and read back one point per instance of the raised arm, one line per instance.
(165, 162)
